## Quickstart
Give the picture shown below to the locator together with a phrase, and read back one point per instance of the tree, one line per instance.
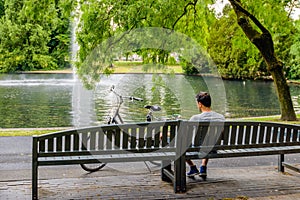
(34, 35)
(262, 39)
(101, 20)
(195, 18)
(234, 55)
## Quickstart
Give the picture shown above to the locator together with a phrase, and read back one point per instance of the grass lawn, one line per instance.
(26, 132)
(121, 67)
(139, 67)
(271, 119)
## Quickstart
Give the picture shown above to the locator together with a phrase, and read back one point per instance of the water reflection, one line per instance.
(54, 100)
(35, 101)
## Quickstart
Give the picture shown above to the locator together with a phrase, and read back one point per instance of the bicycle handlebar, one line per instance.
(112, 89)
(135, 98)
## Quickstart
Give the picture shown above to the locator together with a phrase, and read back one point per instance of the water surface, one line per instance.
(59, 100)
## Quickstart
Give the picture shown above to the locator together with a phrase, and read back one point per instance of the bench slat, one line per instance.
(268, 134)
(281, 134)
(254, 134)
(129, 157)
(133, 137)
(51, 144)
(42, 145)
(59, 143)
(157, 132)
(295, 134)
(109, 138)
(244, 152)
(141, 137)
(288, 135)
(104, 152)
(164, 138)
(100, 139)
(92, 138)
(117, 138)
(233, 134)
(240, 135)
(84, 140)
(225, 135)
(275, 135)
(247, 134)
(149, 138)
(67, 142)
(172, 135)
(261, 134)
(76, 141)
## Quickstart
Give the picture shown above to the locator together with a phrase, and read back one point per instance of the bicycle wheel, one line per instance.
(92, 167)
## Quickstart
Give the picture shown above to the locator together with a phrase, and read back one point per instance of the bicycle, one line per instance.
(114, 118)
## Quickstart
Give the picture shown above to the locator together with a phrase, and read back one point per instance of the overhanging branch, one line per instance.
(237, 4)
(184, 12)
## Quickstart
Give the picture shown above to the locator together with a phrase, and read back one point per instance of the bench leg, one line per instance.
(166, 166)
(34, 170)
(280, 161)
(34, 181)
(179, 175)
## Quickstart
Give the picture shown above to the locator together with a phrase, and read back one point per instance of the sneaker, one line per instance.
(203, 173)
(193, 171)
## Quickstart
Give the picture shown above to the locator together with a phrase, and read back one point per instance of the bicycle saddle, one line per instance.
(153, 108)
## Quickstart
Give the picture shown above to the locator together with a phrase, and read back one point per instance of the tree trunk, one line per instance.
(284, 96)
(264, 42)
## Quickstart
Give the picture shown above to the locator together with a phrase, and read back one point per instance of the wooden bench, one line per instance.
(197, 140)
(104, 144)
(171, 142)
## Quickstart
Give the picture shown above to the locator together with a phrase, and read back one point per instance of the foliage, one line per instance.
(34, 35)
(1, 8)
(188, 67)
(234, 55)
(219, 35)
(293, 71)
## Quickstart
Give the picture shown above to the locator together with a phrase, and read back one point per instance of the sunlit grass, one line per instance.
(272, 119)
(139, 67)
(24, 132)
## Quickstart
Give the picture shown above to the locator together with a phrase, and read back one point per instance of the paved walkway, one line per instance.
(259, 182)
(231, 178)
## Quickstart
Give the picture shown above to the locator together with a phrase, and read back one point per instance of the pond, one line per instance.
(60, 100)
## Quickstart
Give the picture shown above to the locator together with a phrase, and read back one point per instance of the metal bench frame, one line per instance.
(171, 142)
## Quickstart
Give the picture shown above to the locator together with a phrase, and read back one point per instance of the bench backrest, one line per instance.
(188, 135)
(129, 137)
(234, 134)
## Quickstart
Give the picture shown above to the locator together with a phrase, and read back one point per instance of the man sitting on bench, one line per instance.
(204, 105)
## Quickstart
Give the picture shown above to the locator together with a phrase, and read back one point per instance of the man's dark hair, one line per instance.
(204, 98)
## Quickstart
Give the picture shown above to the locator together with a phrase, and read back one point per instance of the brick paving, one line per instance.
(258, 183)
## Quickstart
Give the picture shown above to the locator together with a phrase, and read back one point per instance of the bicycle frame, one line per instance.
(116, 117)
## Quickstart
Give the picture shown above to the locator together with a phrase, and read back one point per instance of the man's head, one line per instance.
(204, 99)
